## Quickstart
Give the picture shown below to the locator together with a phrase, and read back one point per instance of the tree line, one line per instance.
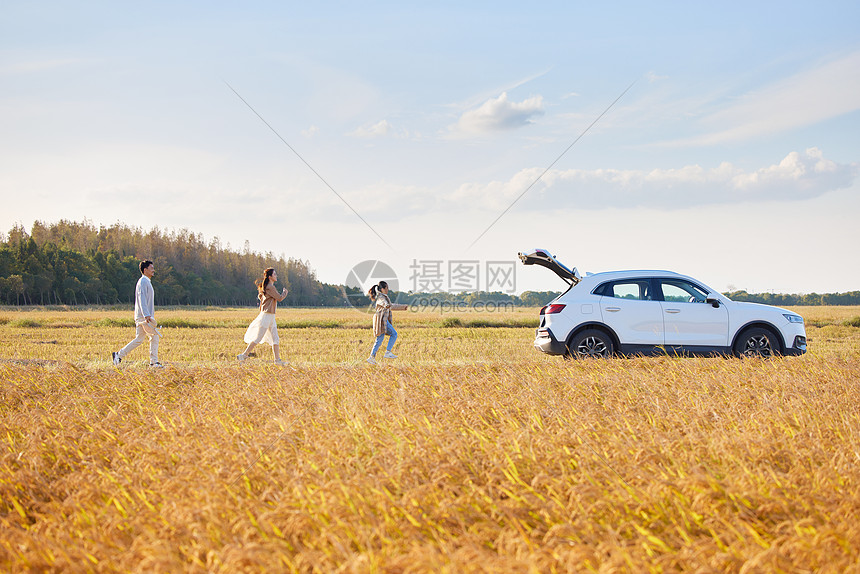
(71, 263)
(786, 300)
(77, 263)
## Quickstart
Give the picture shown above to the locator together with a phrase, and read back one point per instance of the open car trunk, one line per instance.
(544, 258)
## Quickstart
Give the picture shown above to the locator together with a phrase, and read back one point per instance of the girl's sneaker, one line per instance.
(389, 355)
(241, 357)
(371, 360)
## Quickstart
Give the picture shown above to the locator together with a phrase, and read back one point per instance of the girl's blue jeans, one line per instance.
(392, 337)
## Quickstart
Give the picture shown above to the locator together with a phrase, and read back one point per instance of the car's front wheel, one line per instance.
(591, 343)
(757, 342)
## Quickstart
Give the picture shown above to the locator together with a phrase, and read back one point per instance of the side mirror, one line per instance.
(715, 303)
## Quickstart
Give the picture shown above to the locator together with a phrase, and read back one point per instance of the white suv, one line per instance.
(656, 312)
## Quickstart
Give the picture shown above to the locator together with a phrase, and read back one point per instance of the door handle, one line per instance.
(673, 311)
(613, 309)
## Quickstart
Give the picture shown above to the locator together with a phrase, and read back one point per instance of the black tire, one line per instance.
(757, 342)
(591, 344)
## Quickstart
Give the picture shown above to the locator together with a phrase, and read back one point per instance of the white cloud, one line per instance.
(310, 132)
(500, 114)
(378, 130)
(483, 96)
(812, 96)
(798, 176)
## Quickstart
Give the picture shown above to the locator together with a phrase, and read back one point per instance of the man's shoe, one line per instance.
(241, 357)
(116, 359)
(371, 360)
(156, 365)
(389, 355)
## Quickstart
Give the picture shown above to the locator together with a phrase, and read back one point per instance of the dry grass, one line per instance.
(471, 453)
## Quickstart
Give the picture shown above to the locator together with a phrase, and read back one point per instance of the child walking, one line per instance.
(264, 328)
(382, 321)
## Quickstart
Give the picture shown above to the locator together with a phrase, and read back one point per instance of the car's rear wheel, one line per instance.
(757, 342)
(591, 343)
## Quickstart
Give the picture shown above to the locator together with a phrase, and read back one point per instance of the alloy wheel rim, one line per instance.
(591, 347)
(758, 346)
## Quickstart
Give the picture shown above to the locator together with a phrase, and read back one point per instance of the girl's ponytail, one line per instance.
(374, 290)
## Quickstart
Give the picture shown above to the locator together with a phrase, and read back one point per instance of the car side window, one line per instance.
(639, 290)
(680, 291)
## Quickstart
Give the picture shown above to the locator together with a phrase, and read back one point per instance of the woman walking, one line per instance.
(382, 321)
(264, 328)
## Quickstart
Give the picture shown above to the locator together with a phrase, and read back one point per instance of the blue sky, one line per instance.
(734, 157)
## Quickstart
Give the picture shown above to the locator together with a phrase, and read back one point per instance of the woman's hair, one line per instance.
(263, 281)
(375, 289)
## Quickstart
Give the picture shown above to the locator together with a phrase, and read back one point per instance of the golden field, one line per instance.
(470, 453)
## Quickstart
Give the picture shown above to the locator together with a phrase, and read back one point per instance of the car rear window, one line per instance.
(632, 289)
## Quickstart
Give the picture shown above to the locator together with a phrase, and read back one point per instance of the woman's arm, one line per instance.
(272, 292)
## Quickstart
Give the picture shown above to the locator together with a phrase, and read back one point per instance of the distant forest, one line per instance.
(781, 300)
(70, 263)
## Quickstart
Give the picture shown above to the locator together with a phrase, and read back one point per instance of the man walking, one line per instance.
(144, 319)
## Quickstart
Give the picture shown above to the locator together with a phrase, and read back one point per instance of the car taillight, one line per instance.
(551, 309)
